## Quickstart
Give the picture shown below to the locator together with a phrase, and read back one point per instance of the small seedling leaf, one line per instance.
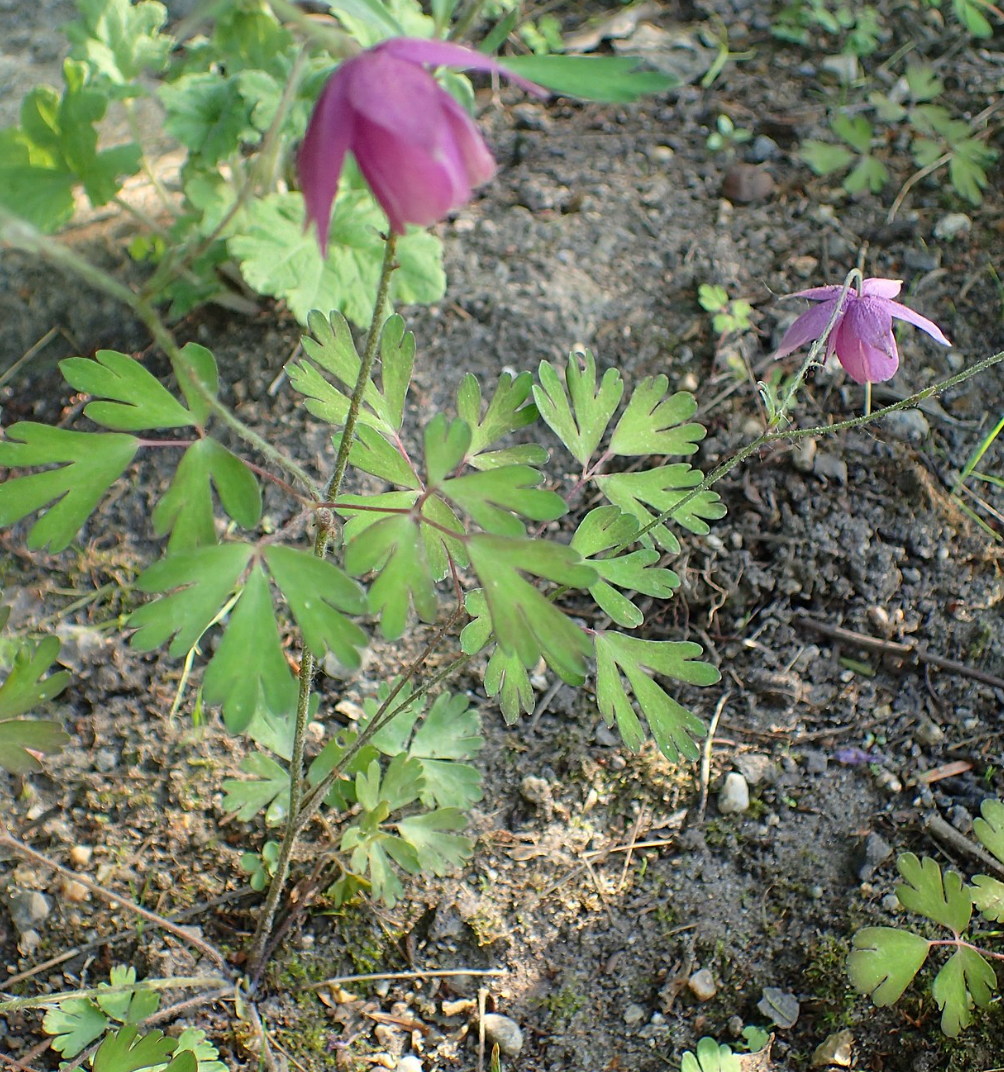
(987, 894)
(966, 979)
(989, 828)
(76, 1023)
(884, 961)
(127, 1006)
(575, 410)
(269, 781)
(652, 423)
(136, 399)
(868, 174)
(91, 464)
(673, 727)
(711, 1057)
(941, 898)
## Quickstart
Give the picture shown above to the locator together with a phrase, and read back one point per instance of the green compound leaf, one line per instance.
(76, 1023)
(987, 894)
(119, 40)
(673, 727)
(278, 257)
(446, 444)
(653, 423)
(662, 489)
(711, 1057)
(394, 548)
(193, 1040)
(611, 79)
(855, 130)
(990, 827)
(868, 174)
(507, 412)
(320, 596)
(525, 622)
(505, 675)
(438, 850)
(575, 411)
(268, 786)
(825, 157)
(209, 115)
(249, 668)
(966, 979)
(204, 578)
(128, 1051)
(127, 1006)
(92, 463)
(198, 376)
(599, 531)
(330, 347)
(967, 169)
(941, 898)
(186, 508)
(32, 185)
(372, 453)
(140, 399)
(884, 961)
(494, 496)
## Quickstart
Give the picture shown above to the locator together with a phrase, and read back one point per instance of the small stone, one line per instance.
(779, 1006)
(27, 908)
(411, 1064)
(756, 768)
(844, 67)
(835, 1050)
(73, 891)
(536, 791)
(106, 760)
(503, 1032)
(804, 455)
(954, 225)
(908, 426)
(875, 851)
(929, 733)
(28, 942)
(922, 260)
(634, 1014)
(745, 183)
(763, 149)
(888, 781)
(529, 116)
(815, 762)
(702, 985)
(80, 855)
(830, 467)
(890, 902)
(734, 798)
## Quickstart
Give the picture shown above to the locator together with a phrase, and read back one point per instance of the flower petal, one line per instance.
(809, 326)
(322, 153)
(447, 54)
(881, 288)
(401, 97)
(478, 162)
(865, 344)
(901, 312)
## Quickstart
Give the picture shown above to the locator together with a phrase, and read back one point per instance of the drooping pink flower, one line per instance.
(862, 337)
(417, 148)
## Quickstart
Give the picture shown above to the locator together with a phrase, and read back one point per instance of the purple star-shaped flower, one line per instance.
(862, 337)
(417, 148)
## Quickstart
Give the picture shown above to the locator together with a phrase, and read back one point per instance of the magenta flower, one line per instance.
(416, 146)
(862, 336)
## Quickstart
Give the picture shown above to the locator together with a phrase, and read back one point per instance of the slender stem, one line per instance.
(256, 958)
(22, 235)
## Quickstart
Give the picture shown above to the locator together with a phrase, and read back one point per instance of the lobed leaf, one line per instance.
(204, 578)
(372, 453)
(198, 377)
(119, 40)
(320, 595)
(673, 727)
(429, 834)
(493, 498)
(663, 489)
(128, 1051)
(987, 894)
(508, 411)
(127, 1006)
(186, 508)
(505, 675)
(249, 668)
(446, 445)
(20, 738)
(965, 980)
(209, 115)
(941, 898)
(884, 961)
(26, 685)
(136, 398)
(575, 411)
(525, 622)
(268, 783)
(653, 423)
(989, 828)
(75, 1023)
(89, 464)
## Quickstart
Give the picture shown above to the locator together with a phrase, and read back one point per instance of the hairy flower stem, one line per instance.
(325, 519)
(22, 235)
